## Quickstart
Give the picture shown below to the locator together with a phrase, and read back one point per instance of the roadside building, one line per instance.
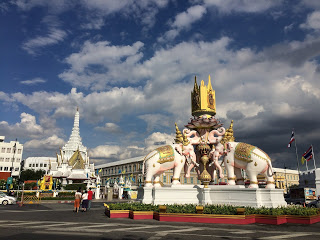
(285, 178)
(39, 163)
(10, 158)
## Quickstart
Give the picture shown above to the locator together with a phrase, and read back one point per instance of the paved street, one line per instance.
(58, 221)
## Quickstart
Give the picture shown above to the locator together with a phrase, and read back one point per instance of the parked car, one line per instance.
(314, 204)
(5, 199)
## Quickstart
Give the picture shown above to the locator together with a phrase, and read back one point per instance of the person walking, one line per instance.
(77, 199)
(84, 201)
(90, 193)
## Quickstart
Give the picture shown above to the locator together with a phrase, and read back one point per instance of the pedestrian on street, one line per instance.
(77, 199)
(90, 193)
(84, 201)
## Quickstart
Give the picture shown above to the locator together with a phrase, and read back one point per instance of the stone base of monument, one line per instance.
(214, 194)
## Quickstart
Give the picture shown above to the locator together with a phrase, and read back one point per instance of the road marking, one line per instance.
(52, 225)
(69, 233)
(160, 235)
(87, 230)
(286, 236)
(21, 223)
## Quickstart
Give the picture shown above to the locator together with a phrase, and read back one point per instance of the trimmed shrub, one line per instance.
(75, 186)
(217, 209)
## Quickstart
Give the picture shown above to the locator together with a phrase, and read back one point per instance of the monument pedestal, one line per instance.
(214, 194)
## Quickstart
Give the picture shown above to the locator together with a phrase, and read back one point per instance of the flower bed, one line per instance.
(136, 215)
(214, 213)
(133, 210)
(205, 218)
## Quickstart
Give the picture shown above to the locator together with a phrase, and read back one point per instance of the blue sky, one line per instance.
(130, 67)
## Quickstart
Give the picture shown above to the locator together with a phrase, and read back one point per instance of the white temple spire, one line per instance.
(75, 142)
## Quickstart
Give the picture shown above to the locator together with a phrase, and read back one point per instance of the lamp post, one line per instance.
(14, 152)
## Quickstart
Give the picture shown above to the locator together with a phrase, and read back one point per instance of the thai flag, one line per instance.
(308, 154)
(291, 139)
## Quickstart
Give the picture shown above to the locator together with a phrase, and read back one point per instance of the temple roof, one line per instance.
(77, 176)
(76, 161)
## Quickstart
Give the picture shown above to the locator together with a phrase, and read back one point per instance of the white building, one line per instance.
(39, 163)
(10, 156)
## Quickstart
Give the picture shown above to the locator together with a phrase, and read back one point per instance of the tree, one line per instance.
(31, 174)
(3, 184)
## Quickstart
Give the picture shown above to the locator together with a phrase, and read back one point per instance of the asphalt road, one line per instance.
(58, 221)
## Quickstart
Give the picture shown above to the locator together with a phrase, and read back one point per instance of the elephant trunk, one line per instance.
(211, 137)
(270, 167)
(193, 140)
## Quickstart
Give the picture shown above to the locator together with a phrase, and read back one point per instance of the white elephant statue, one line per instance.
(165, 158)
(214, 165)
(238, 155)
(175, 156)
(209, 138)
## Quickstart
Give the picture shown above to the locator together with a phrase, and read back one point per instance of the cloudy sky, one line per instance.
(130, 65)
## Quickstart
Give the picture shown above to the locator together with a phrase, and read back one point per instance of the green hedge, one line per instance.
(66, 194)
(133, 206)
(289, 210)
(76, 186)
(218, 209)
(181, 208)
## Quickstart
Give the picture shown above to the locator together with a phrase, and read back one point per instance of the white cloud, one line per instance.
(185, 19)
(4, 7)
(109, 127)
(313, 21)
(248, 109)
(143, 11)
(249, 6)
(236, 71)
(265, 91)
(288, 28)
(99, 64)
(33, 81)
(54, 36)
(26, 127)
(51, 143)
(313, 4)
(182, 21)
(156, 120)
(115, 152)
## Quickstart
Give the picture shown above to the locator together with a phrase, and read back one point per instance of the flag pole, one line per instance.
(314, 161)
(295, 144)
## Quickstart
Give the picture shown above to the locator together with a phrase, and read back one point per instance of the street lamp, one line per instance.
(14, 152)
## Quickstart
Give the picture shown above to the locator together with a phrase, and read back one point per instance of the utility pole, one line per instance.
(14, 152)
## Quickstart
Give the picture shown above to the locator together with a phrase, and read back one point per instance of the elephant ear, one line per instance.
(179, 148)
